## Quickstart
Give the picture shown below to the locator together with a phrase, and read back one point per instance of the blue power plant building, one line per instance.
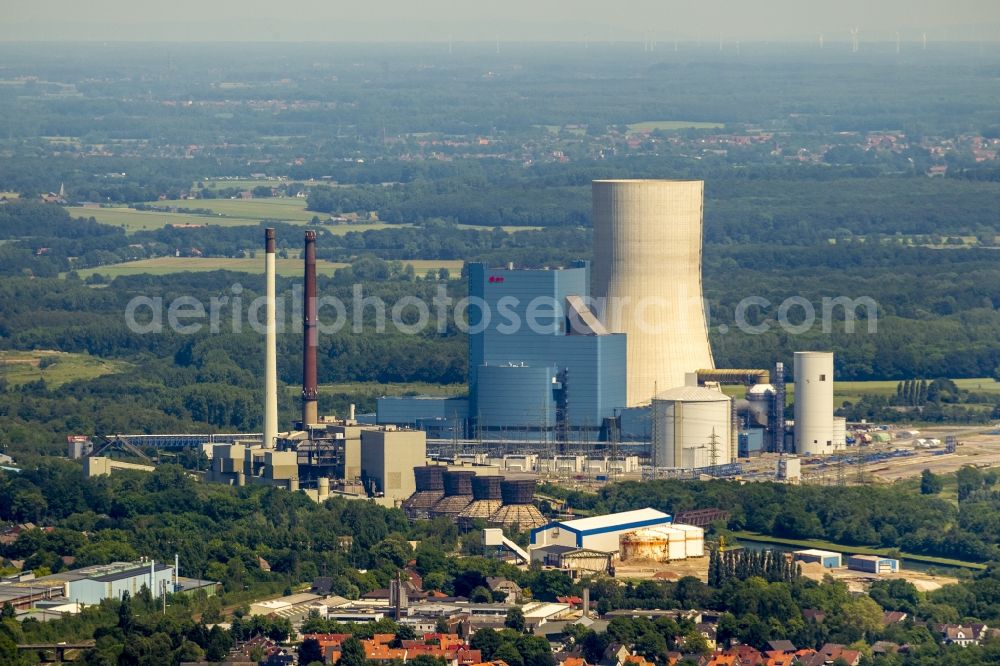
(541, 365)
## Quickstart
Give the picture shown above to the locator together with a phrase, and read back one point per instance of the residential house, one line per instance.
(504, 590)
(892, 617)
(614, 655)
(955, 634)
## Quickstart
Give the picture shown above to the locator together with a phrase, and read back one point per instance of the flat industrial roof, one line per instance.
(817, 552)
(542, 609)
(128, 573)
(624, 520)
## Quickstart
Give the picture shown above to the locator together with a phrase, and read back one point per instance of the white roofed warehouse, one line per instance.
(599, 533)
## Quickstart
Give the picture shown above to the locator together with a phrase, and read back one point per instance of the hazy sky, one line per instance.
(434, 20)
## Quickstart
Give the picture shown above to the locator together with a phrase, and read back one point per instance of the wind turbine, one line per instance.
(821, 41)
(925, 41)
(897, 42)
(854, 40)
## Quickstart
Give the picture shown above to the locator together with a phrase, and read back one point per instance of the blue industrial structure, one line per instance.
(751, 442)
(535, 365)
(439, 417)
(541, 367)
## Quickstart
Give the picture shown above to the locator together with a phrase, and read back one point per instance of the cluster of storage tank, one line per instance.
(662, 543)
(465, 497)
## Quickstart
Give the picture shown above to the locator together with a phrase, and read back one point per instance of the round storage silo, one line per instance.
(813, 403)
(688, 423)
(694, 538)
(839, 432)
(645, 544)
(759, 398)
(662, 543)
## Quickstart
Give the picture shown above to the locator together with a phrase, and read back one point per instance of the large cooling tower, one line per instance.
(646, 277)
(813, 403)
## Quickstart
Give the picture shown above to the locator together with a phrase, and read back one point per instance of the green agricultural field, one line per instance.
(138, 220)
(508, 228)
(56, 368)
(379, 389)
(249, 184)
(285, 209)
(852, 391)
(671, 125)
(285, 267)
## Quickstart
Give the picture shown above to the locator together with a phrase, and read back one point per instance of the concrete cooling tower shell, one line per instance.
(485, 501)
(813, 403)
(430, 489)
(646, 277)
(457, 494)
(518, 513)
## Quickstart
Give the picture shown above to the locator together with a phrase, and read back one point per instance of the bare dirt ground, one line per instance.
(976, 447)
(672, 571)
(859, 581)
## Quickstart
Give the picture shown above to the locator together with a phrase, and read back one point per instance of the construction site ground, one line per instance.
(979, 447)
(670, 571)
(859, 581)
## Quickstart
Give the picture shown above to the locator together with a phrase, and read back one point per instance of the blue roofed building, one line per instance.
(599, 533)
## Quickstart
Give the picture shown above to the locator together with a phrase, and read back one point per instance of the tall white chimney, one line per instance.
(271, 346)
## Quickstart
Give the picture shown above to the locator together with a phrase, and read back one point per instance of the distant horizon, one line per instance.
(438, 21)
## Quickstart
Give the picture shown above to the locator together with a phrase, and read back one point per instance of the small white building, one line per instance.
(829, 559)
(598, 533)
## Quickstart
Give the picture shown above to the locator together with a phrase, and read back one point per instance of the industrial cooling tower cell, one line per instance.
(486, 487)
(518, 513)
(457, 494)
(458, 483)
(486, 501)
(518, 491)
(646, 278)
(429, 478)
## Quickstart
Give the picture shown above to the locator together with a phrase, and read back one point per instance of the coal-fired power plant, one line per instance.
(646, 279)
(310, 332)
(322, 456)
(270, 344)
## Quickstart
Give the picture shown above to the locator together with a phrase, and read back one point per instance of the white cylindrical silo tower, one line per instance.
(839, 432)
(688, 422)
(813, 403)
(646, 277)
